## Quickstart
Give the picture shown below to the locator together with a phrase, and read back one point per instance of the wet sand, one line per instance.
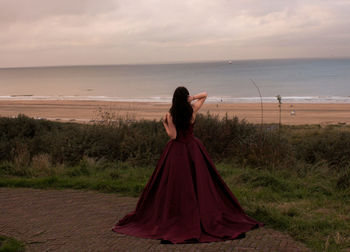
(85, 111)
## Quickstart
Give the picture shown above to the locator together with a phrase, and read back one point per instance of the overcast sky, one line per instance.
(71, 32)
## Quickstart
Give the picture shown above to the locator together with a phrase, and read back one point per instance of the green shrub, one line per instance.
(8, 244)
(27, 142)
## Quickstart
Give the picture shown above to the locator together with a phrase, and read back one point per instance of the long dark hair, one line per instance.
(181, 110)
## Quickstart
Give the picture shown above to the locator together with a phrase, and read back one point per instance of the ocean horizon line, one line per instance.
(228, 60)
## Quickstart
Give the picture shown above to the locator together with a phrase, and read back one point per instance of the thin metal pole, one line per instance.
(261, 102)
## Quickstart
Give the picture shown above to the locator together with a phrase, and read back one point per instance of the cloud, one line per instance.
(26, 11)
(125, 31)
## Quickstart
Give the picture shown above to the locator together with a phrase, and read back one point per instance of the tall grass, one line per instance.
(25, 142)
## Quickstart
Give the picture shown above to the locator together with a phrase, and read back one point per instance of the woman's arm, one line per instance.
(169, 126)
(199, 100)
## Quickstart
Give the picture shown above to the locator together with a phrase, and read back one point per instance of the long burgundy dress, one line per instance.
(186, 200)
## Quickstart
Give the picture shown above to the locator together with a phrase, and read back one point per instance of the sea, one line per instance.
(229, 81)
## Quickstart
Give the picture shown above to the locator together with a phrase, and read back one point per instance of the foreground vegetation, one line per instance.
(8, 244)
(296, 179)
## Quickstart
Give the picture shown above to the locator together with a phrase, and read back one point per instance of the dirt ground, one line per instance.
(76, 220)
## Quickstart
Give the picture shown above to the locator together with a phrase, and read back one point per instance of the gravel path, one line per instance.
(72, 220)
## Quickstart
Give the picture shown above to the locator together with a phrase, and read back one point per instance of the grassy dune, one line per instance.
(296, 179)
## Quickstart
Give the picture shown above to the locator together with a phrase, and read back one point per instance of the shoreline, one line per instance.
(86, 111)
(168, 99)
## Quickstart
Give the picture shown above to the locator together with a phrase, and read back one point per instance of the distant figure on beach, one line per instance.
(292, 112)
(186, 200)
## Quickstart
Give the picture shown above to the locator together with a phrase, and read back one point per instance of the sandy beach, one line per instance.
(86, 111)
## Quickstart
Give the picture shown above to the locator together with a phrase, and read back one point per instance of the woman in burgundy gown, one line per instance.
(185, 199)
